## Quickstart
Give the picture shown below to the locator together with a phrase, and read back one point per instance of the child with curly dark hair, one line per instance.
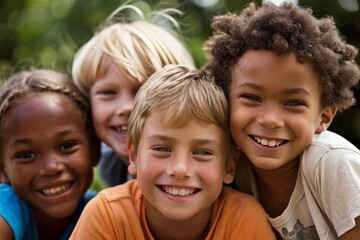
(286, 74)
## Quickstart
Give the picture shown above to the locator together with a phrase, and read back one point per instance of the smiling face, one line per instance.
(47, 154)
(112, 99)
(180, 170)
(275, 107)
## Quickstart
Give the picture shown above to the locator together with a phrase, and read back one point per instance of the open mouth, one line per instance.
(176, 191)
(54, 191)
(269, 142)
(121, 129)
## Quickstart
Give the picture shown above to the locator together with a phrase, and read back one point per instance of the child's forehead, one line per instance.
(50, 100)
(258, 60)
(260, 70)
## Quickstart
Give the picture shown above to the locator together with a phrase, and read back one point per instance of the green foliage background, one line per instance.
(47, 33)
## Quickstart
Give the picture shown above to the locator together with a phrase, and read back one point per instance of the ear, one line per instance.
(3, 178)
(327, 115)
(132, 157)
(230, 171)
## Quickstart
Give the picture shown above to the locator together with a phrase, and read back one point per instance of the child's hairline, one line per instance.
(329, 96)
(185, 114)
(100, 57)
(63, 90)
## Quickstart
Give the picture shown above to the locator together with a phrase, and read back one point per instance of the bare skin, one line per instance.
(272, 198)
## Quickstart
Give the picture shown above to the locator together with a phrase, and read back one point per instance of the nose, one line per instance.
(125, 105)
(179, 167)
(270, 117)
(51, 165)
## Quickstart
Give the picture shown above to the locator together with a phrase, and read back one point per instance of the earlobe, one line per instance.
(132, 158)
(3, 178)
(231, 167)
(327, 116)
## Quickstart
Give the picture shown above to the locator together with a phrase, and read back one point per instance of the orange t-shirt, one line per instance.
(119, 213)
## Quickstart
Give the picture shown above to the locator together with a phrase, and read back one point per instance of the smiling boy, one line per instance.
(180, 150)
(286, 74)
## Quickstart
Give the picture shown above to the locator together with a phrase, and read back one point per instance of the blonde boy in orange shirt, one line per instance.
(180, 149)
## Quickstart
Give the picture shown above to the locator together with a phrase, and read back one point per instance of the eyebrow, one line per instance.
(28, 140)
(259, 88)
(198, 141)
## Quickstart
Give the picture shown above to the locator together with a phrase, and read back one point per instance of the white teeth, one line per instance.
(121, 129)
(272, 143)
(265, 142)
(178, 191)
(56, 190)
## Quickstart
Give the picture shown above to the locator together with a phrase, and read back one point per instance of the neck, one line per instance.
(51, 228)
(275, 187)
(194, 228)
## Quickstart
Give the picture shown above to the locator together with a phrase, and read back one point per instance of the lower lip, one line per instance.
(120, 135)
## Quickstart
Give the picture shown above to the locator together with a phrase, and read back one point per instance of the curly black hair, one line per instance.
(283, 29)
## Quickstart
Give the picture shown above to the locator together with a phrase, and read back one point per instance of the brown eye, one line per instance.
(25, 155)
(251, 97)
(68, 146)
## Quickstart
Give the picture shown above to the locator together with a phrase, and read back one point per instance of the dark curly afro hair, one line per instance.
(283, 29)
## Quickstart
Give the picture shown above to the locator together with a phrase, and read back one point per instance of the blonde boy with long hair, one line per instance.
(110, 68)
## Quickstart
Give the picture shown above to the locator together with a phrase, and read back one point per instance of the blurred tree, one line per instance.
(47, 33)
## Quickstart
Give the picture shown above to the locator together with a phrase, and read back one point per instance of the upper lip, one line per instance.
(54, 184)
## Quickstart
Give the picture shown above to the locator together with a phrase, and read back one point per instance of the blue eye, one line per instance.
(202, 152)
(161, 149)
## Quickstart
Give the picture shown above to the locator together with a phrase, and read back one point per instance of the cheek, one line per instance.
(82, 161)
(21, 175)
(211, 173)
(97, 111)
(146, 165)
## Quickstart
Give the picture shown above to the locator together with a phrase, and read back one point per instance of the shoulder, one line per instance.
(240, 215)
(9, 198)
(15, 212)
(236, 201)
(120, 196)
(329, 148)
(126, 190)
(328, 140)
(6, 189)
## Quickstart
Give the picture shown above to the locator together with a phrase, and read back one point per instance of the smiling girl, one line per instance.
(47, 151)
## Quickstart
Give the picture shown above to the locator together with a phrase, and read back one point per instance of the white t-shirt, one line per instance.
(327, 191)
(301, 226)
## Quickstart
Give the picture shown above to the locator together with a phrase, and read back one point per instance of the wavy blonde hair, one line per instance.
(180, 94)
(137, 48)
